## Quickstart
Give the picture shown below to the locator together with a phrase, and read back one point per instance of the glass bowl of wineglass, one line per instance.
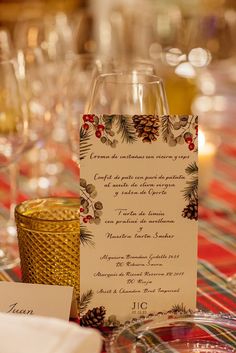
(13, 136)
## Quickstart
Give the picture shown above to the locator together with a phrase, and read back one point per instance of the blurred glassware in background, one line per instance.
(83, 32)
(35, 88)
(82, 70)
(52, 38)
(99, 32)
(12, 10)
(216, 81)
(145, 30)
(182, 41)
(208, 145)
(5, 44)
(36, 83)
(41, 48)
(215, 102)
(190, 45)
(13, 128)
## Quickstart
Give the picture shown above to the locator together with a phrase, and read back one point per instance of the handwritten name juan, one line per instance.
(15, 309)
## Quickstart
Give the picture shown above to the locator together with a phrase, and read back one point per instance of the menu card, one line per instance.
(139, 211)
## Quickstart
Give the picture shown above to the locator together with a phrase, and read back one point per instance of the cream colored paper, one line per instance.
(36, 299)
(142, 254)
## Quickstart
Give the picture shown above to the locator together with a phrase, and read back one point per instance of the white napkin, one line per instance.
(34, 334)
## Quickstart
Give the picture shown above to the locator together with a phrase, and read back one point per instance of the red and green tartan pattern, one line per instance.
(217, 233)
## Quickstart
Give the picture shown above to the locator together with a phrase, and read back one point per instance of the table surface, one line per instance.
(217, 223)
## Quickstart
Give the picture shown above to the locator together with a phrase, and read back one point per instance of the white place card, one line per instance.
(36, 299)
(139, 210)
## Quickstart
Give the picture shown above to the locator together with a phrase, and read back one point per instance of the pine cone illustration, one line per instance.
(147, 127)
(191, 210)
(93, 318)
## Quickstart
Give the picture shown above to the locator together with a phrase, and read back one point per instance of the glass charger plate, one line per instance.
(167, 333)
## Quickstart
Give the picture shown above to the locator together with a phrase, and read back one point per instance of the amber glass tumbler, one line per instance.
(49, 241)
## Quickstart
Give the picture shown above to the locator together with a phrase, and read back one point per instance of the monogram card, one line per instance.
(139, 211)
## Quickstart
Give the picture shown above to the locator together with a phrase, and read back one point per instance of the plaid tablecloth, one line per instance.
(217, 225)
(217, 233)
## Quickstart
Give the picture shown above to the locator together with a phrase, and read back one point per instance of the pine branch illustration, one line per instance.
(84, 142)
(86, 236)
(167, 127)
(179, 308)
(191, 190)
(192, 168)
(108, 120)
(126, 129)
(85, 300)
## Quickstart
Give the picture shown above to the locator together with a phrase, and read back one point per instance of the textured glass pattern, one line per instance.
(49, 241)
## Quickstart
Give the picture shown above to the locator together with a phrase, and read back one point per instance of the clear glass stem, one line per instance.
(13, 171)
(9, 254)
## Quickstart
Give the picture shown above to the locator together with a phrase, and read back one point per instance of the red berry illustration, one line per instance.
(191, 146)
(91, 118)
(98, 134)
(86, 126)
(89, 216)
(101, 127)
(189, 139)
(81, 209)
(85, 220)
(86, 117)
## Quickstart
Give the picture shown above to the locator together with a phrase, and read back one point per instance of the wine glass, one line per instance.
(34, 46)
(13, 129)
(35, 89)
(38, 57)
(42, 46)
(127, 93)
(83, 31)
(95, 33)
(84, 68)
(5, 45)
(118, 93)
